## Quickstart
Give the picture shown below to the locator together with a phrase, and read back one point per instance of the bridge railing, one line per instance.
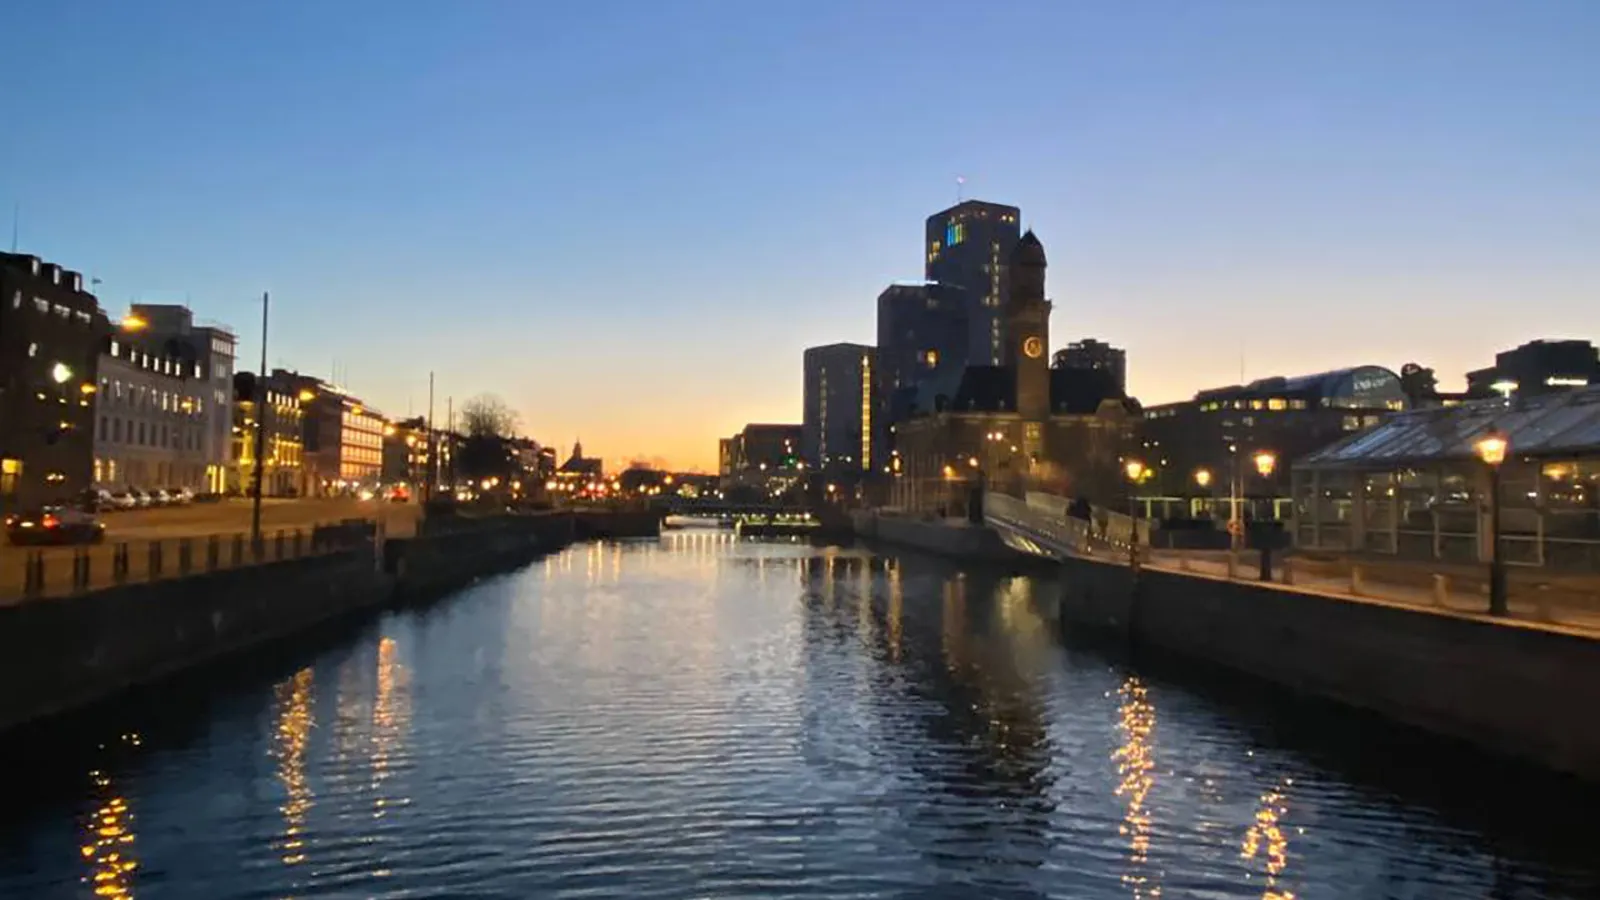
(1056, 534)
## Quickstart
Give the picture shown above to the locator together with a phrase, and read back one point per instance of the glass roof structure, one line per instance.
(1558, 425)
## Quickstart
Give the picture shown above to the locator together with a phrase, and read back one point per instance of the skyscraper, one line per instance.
(838, 432)
(967, 249)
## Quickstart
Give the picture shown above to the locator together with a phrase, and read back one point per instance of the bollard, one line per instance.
(155, 561)
(238, 550)
(1357, 584)
(299, 543)
(33, 574)
(1441, 589)
(277, 541)
(119, 564)
(80, 570)
(258, 548)
(213, 553)
(1233, 564)
(185, 555)
(1288, 570)
(1266, 563)
(1183, 561)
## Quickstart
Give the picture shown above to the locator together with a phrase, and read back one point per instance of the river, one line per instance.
(702, 717)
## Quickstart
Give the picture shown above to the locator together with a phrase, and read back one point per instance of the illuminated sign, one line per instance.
(954, 233)
(1566, 381)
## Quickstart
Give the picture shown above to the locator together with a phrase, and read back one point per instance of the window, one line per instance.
(33, 350)
(83, 317)
(1352, 423)
(116, 430)
(16, 299)
(116, 349)
(141, 434)
(930, 358)
(104, 433)
(1277, 404)
(41, 304)
(1257, 404)
(1297, 404)
(63, 311)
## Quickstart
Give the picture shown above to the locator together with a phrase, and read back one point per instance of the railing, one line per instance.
(28, 573)
(1039, 526)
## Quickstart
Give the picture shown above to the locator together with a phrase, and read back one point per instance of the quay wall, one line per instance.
(940, 537)
(62, 653)
(1520, 691)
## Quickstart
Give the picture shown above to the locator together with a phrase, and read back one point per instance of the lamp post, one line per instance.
(1265, 461)
(1492, 449)
(1135, 471)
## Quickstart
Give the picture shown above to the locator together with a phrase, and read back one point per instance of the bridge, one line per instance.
(715, 508)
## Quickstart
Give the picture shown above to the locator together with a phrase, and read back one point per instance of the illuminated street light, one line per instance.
(307, 395)
(1202, 477)
(1492, 449)
(1134, 470)
(1266, 461)
(60, 373)
(131, 322)
(972, 461)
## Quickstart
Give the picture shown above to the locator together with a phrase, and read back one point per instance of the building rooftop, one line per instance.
(1545, 426)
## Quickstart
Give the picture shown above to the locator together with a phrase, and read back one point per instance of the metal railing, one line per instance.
(28, 573)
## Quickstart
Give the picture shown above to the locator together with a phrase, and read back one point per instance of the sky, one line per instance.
(628, 218)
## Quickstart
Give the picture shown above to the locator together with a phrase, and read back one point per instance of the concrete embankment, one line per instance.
(1517, 690)
(57, 654)
(955, 538)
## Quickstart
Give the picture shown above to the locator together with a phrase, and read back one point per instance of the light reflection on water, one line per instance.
(702, 717)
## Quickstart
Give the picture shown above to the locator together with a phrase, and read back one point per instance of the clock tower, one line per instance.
(1028, 314)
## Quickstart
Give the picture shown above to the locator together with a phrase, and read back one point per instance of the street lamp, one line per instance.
(1492, 448)
(60, 373)
(1266, 461)
(1202, 477)
(1135, 471)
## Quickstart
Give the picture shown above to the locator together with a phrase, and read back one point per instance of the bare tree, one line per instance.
(486, 415)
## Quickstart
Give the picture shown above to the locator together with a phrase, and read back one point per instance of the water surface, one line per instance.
(702, 717)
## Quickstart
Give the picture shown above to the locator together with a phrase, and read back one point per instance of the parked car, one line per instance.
(95, 499)
(124, 500)
(159, 497)
(141, 499)
(55, 525)
(181, 496)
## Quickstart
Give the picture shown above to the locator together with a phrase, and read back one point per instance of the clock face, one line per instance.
(1033, 347)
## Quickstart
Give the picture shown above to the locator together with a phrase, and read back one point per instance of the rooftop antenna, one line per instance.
(16, 223)
(961, 184)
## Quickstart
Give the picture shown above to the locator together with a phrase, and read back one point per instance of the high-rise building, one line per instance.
(967, 249)
(922, 343)
(1095, 356)
(838, 430)
(51, 334)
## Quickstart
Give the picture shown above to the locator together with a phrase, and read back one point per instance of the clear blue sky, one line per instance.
(628, 218)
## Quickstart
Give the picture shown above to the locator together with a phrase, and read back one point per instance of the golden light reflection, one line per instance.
(391, 716)
(108, 846)
(1267, 838)
(896, 609)
(1136, 771)
(289, 748)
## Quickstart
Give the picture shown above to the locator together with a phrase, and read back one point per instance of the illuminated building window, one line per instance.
(1277, 403)
(1297, 404)
(954, 233)
(930, 358)
(1257, 404)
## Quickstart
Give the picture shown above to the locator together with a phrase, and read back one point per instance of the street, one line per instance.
(167, 526)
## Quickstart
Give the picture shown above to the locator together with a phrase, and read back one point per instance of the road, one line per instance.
(138, 529)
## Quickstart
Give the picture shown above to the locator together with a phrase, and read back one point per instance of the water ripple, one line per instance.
(709, 718)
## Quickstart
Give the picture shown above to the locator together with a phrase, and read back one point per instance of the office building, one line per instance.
(1090, 355)
(1199, 453)
(838, 428)
(51, 335)
(173, 328)
(1016, 426)
(1538, 367)
(967, 250)
(150, 417)
(282, 443)
(342, 438)
(921, 350)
